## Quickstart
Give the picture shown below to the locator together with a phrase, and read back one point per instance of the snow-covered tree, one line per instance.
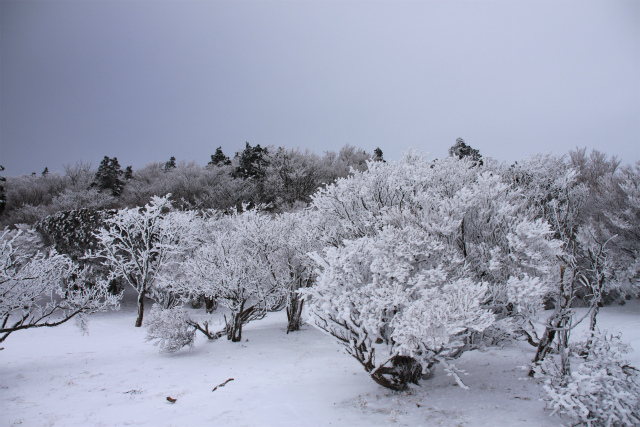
(44, 289)
(614, 217)
(219, 159)
(228, 267)
(291, 177)
(170, 328)
(85, 198)
(578, 200)
(138, 244)
(252, 162)
(108, 175)
(282, 242)
(604, 389)
(79, 175)
(298, 269)
(72, 232)
(461, 150)
(426, 257)
(391, 301)
(553, 194)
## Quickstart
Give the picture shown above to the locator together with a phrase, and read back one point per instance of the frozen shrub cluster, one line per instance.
(42, 288)
(170, 328)
(137, 245)
(423, 258)
(603, 391)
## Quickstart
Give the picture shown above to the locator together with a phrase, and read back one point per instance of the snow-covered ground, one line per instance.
(113, 378)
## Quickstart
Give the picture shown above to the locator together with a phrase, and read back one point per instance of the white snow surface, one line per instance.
(58, 377)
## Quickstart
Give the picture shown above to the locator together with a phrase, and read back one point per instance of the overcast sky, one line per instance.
(146, 80)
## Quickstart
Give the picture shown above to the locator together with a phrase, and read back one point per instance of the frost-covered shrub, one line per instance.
(228, 267)
(170, 329)
(425, 261)
(139, 244)
(282, 242)
(604, 390)
(44, 288)
(394, 304)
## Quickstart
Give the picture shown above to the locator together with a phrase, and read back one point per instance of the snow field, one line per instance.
(57, 377)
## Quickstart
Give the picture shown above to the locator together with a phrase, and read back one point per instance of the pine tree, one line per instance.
(377, 155)
(3, 198)
(219, 159)
(128, 173)
(251, 162)
(462, 150)
(108, 176)
(171, 164)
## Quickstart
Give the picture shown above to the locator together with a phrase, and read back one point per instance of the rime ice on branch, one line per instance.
(429, 259)
(44, 289)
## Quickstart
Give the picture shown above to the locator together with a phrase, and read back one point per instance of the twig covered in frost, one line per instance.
(451, 370)
(604, 390)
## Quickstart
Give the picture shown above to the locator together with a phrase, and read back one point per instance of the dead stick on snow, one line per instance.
(222, 385)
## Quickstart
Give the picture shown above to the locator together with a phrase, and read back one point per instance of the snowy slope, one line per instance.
(113, 378)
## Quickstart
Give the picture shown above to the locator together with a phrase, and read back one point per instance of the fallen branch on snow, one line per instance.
(222, 385)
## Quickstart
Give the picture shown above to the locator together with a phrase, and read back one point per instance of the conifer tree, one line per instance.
(219, 159)
(3, 198)
(377, 155)
(128, 173)
(462, 150)
(171, 164)
(252, 162)
(108, 176)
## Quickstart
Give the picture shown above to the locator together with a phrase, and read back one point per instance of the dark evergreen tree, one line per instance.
(45, 172)
(377, 155)
(171, 164)
(219, 159)
(73, 233)
(3, 197)
(108, 176)
(251, 162)
(462, 150)
(128, 173)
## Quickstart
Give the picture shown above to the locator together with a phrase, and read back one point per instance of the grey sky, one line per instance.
(147, 80)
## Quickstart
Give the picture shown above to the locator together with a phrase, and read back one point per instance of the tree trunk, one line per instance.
(210, 304)
(234, 327)
(204, 328)
(141, 296)
(404, 370)
(596, 303)
(559, 320)
(294, 312)
(563, 344)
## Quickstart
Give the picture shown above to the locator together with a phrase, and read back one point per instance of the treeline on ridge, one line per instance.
(280, 177)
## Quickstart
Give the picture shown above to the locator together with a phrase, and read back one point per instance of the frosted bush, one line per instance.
(139, 244)
(170, 328)
(603, 391)
(236, 266)
(44, 289)
(426, 260)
